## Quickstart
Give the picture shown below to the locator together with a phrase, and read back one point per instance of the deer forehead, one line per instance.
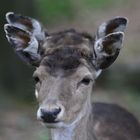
(66, 56)
(70, 37)
(64, 76)
(68, 42)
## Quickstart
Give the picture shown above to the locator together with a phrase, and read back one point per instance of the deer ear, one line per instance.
(108, 42)
(117, 24)
(26, 35)
(107, 49)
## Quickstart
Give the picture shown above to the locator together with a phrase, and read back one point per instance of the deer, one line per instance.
(67, 64)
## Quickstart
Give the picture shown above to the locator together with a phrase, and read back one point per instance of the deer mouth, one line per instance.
(56, 124)
(49, 121)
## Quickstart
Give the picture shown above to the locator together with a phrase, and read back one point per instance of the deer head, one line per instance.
(67, 64)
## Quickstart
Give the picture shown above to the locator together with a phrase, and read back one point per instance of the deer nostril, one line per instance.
(56, 111)
(50, 116)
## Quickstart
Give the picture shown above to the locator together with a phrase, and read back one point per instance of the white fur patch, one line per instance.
(98, 45)
(33, 46)
(38, 33)
(39, 114)
(101, 30)
(63, 134)
(36, 93)
(98, 73)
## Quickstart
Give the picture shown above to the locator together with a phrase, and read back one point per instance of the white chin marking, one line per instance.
(36, 93)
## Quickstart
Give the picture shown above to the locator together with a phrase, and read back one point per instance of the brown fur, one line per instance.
(67, 65)
(66, 49)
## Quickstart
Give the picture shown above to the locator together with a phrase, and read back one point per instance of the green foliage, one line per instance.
(53, 10)
(103, 4)
(98, 4)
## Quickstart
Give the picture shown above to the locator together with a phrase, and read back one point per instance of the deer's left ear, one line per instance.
(108, 42)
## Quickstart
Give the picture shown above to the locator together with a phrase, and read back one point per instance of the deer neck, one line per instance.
(78, 130)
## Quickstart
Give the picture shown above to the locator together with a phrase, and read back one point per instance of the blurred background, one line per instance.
(119, 84)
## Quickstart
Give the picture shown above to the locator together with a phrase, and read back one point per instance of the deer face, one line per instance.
(63, 97)
(67, 64)
(64, 79)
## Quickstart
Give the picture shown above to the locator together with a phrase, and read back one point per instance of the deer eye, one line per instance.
(36, 79)
(85, 81)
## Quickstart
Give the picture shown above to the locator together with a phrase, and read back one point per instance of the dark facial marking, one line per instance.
(64, 58)
(66, 49)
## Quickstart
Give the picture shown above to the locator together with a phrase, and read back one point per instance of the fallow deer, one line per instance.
(67, 66)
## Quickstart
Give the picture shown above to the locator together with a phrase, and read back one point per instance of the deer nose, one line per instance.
(49, 116)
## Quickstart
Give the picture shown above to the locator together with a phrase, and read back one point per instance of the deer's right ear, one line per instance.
(26, 35)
